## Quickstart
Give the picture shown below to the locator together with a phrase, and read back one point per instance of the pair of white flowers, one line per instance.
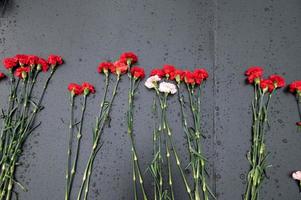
(165, 87)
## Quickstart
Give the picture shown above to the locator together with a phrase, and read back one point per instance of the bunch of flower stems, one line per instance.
(137, 175)
(18, 124)
(258, 154)
(194, 138)
(100, 122)
(163, 149)
(72, 164)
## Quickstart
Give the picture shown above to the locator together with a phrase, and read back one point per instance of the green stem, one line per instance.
(16, 148)
(96, 142)
(69, 146)
(178, 162)
(79, 136)
(135, 161)
(198, 163)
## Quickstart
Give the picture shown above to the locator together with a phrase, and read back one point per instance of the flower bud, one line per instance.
(299, 94)
(118, 72)
(129, 61)
(178, 78)
(265, 90)
(39, 67)
(86, 91)
(24, 75)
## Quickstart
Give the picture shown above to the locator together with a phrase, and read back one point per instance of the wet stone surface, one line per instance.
(223, 36)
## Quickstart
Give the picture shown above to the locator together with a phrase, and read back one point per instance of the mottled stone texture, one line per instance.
(224, 36)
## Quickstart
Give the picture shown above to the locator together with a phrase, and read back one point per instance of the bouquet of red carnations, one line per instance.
(264, 89)
(19, 118)
(122, 66)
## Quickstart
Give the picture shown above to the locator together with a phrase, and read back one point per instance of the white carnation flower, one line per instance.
(167, 88)
(297, 175)
(151, 82)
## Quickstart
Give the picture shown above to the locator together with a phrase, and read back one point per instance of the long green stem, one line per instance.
(199, 162)
(7, 119)
(69, 146)
(79, 135)
(96, 144)
(135, 161)
(15, 149)
(258, 153)
(170, 142)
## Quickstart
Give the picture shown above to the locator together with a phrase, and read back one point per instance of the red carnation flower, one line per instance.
(277, 80)
(168, 70)
(55, 60)
(128, 58)
(119, 67)
(189, 77)
(177, 75)
(254, 72)
(33, 60)
(295, 86)
(267, 84)
(298, 124)
(9, 63)
(88, 88)
(22, 72)
(104, 67)
(75, 89)
(137, 72)
(42, 64)
(157, 72)
(200, 75)
(22, 59)
(2, 75)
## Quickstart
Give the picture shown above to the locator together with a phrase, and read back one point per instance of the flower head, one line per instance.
(157, 72)
(177, 75)
(200, 75)
(75, 89)
(55, 60)
(254, 73)
(168, 70)
(119, 68)
(297, 175)
(32, 60)
(189, 77)
(277, 80)
(295, 87)
(137, 72)
(152, 82)
(42, 64)
(10, 63)
(168, 88)
(22, 59)
(88, 88)
(267, 84)
(128, 58)
(2, 75)
(104, 67)
(298, 124)
(22, 72)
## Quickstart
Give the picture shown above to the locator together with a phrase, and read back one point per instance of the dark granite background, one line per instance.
(224, 36)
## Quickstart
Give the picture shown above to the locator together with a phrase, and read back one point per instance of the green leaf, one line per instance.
(210, 192)
(198, 154)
